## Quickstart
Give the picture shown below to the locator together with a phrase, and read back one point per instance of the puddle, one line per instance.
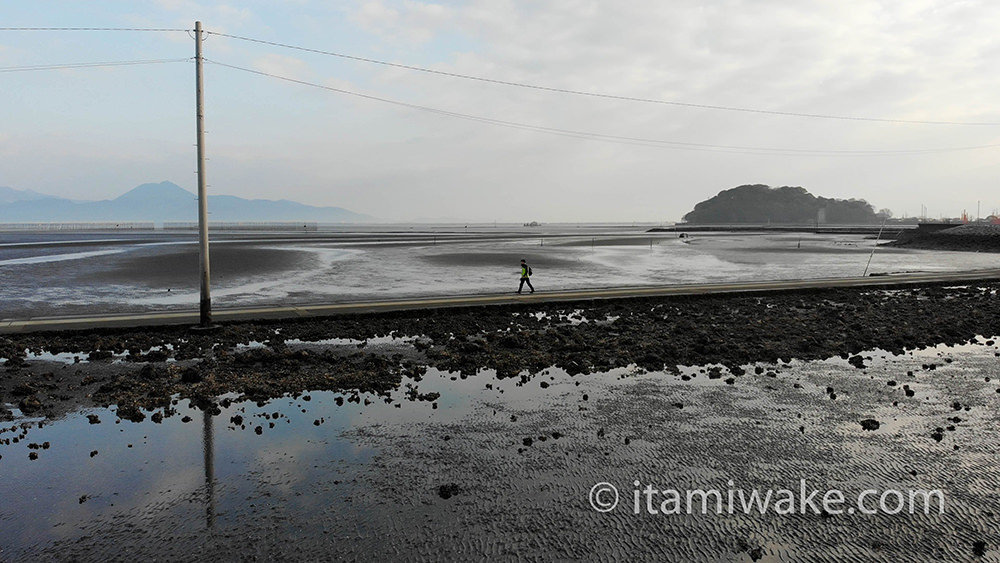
(366, 477)
(95, 466)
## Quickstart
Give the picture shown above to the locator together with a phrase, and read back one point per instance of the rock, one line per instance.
(29, 405)
(191, 375)
(449, 490)
(979, 548)
(870, 424)
(23, 390)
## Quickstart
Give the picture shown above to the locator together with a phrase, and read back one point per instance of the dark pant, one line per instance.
(525, 280)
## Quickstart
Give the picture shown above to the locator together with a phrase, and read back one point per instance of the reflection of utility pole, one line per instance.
(208, 444)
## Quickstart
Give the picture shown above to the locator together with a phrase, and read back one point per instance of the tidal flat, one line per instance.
(481, 433)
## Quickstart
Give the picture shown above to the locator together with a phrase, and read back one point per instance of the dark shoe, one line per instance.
(518, 292)
(532, 291)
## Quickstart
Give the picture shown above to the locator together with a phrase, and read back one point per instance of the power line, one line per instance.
(89, 65)
(606, 96)
(89, 29)
(616, 138)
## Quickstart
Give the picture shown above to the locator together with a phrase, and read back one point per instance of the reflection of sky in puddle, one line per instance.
(147, 470)
(155, 474)
(81, 357)
(149, 467)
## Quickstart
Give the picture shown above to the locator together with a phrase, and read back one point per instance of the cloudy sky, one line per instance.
(545, 110)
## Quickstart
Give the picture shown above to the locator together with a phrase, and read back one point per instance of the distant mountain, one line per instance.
(163, 202)
(760, 204)
(10, 195)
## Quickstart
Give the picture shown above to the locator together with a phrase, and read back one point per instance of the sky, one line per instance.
(510, 110)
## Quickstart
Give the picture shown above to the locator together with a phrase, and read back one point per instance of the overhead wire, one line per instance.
(516, 125)
(91, 65)
(612, 138)
(606, 96)
(90, 29)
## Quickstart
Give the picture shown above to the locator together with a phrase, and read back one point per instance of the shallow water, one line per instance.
(325, 477)
(53, 274)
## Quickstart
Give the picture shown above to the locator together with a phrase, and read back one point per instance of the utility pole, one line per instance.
(206, 299)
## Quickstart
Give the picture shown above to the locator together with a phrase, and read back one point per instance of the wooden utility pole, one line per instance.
(206, 298)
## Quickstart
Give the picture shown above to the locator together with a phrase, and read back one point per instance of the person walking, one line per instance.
(525, 275)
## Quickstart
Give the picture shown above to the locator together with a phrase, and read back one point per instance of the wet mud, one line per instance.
(176, 269)
(517, 411)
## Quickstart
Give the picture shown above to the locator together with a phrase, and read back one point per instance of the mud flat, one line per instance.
(480, 433)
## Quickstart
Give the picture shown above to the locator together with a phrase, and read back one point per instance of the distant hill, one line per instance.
(163, 202)
(760, 204)
(10, 195)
